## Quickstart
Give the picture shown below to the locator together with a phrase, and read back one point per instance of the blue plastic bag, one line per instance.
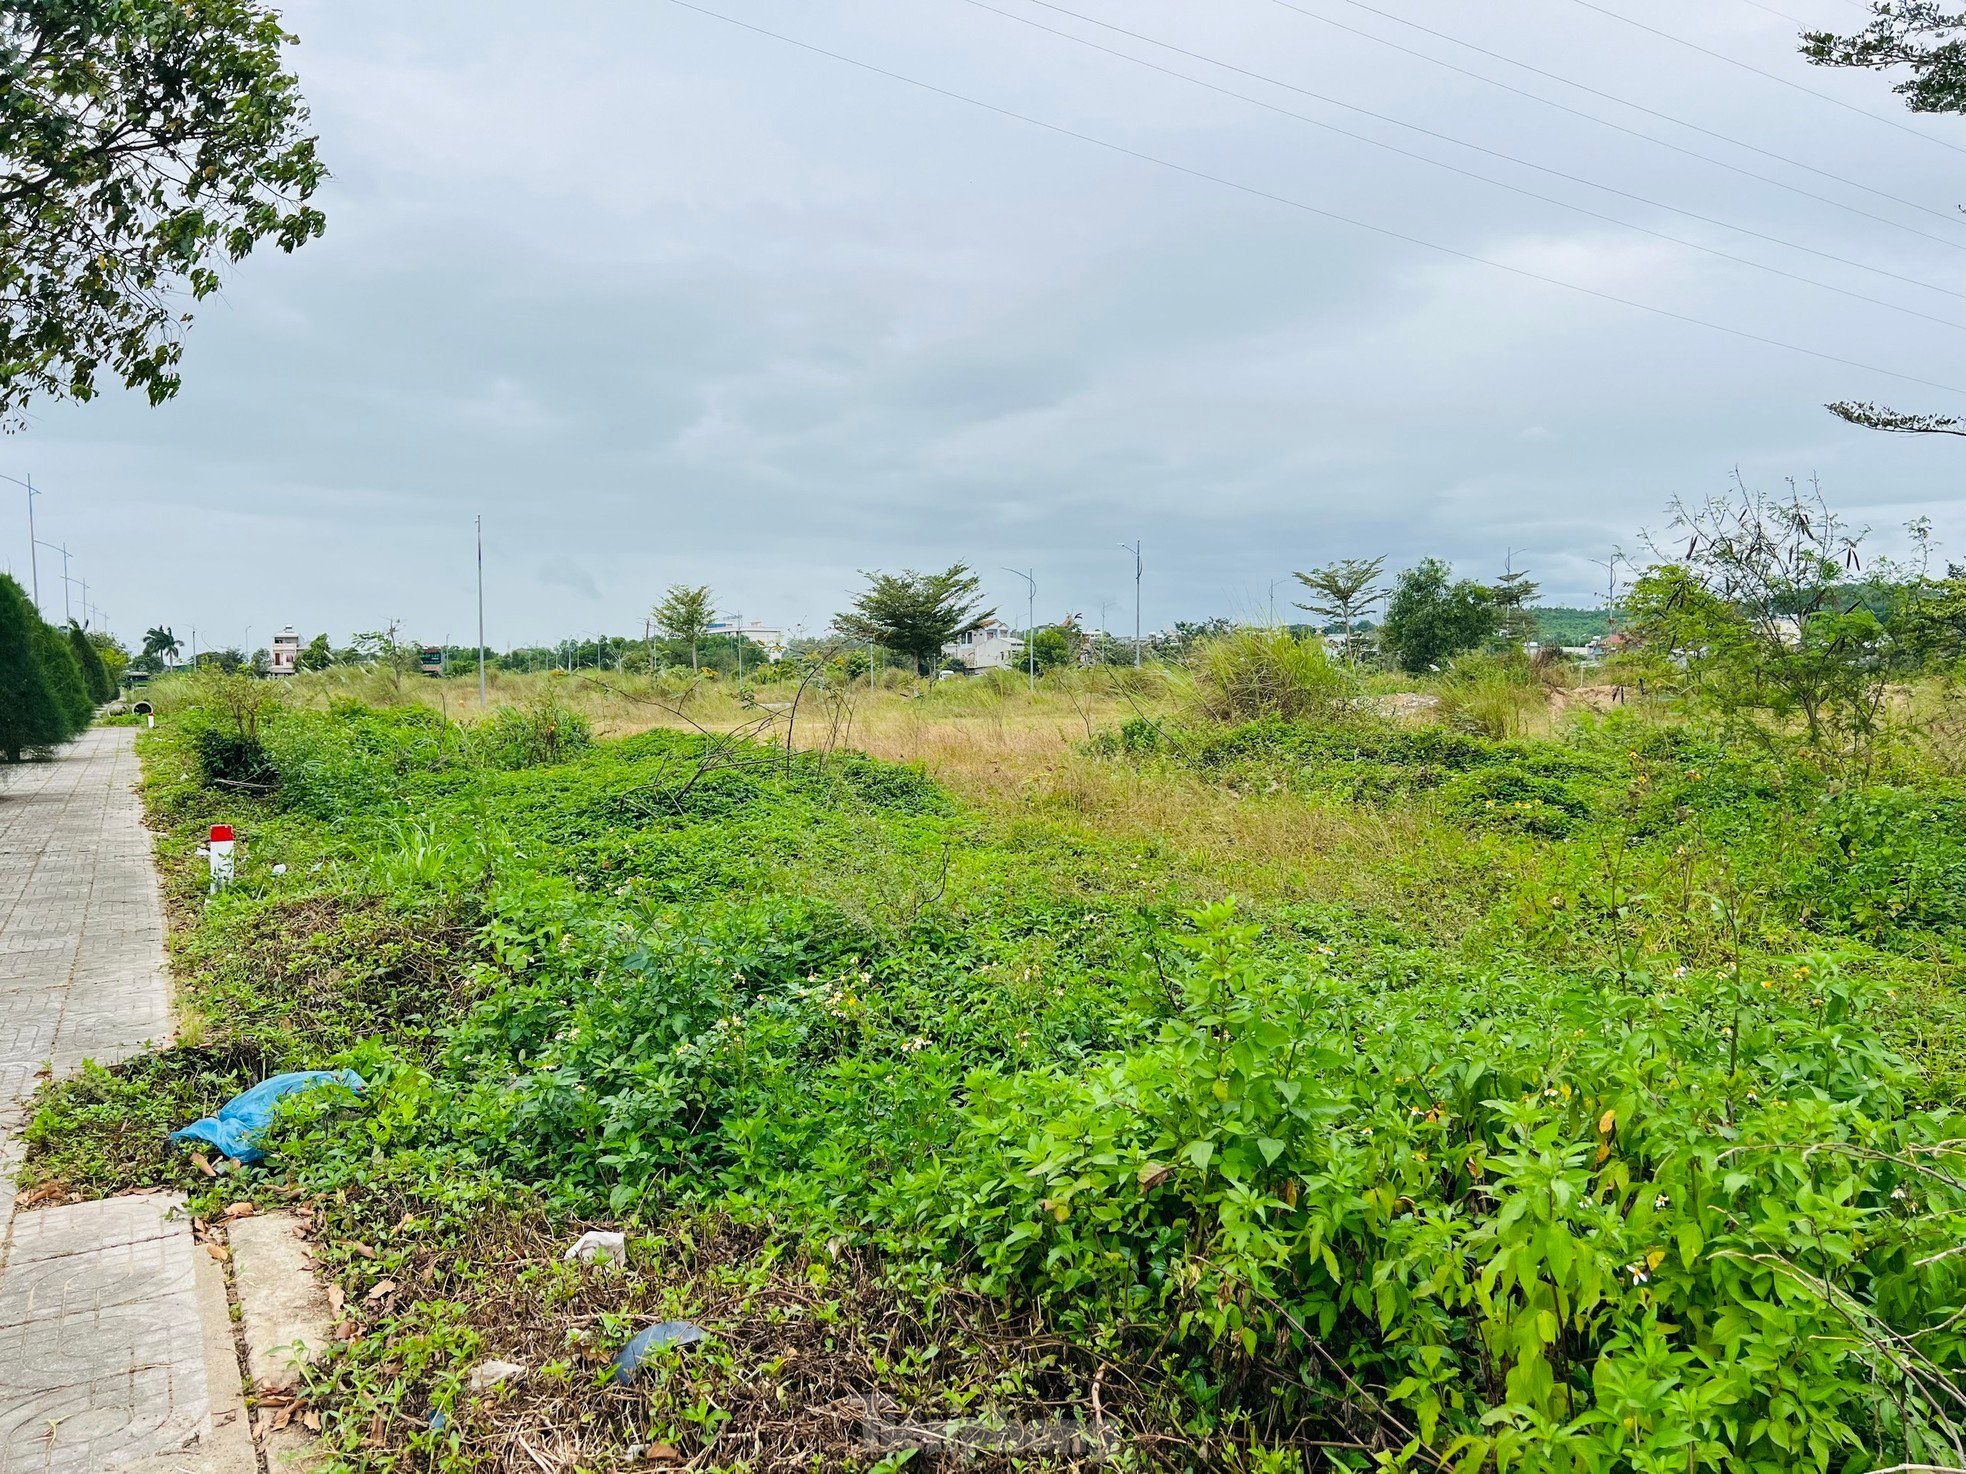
(664, 1333)
(240, 1121)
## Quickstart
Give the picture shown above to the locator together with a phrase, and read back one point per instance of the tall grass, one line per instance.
(1253, 673)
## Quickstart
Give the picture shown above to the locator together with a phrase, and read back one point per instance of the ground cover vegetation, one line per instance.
(1261, 1063)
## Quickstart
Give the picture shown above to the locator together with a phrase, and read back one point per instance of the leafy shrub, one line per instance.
(232, 757)
(1562, 1226)
(525, 737)
(1885, 859)
(1506, 798)
(1134, 737)
(354, 758)
(1538, 787)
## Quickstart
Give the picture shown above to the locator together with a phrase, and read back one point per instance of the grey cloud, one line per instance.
(663, 301)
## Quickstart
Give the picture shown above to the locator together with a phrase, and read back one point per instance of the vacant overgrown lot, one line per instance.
(1263, 1095)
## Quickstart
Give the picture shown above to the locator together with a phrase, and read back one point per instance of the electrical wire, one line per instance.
(1309, 209)
(1478, 148)
(1771, 10)
(1848, 107)
(1664, 117)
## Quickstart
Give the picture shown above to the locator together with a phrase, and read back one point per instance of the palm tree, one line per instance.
(158, 640)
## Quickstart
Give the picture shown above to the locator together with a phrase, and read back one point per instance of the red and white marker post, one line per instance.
(221, 854)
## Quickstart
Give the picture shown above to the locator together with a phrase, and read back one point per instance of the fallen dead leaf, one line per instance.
(337, 1297)
(218, 1252)
(662, 1453)
(203, 1164)
(382, 1290)
(363, 1249)
(311, 1420)
(240, 1210)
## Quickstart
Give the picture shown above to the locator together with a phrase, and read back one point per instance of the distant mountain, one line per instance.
(1558, 625)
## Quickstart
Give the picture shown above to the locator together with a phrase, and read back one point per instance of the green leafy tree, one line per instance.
(1934, 621)
(916, 614)
(1055, 645)
(684, 617)
(230, 658)
(115, 657)
(1343, 591)
(1768, 612)
(63, 673)
(1433, 616)
(317, 654)
(33, 713)
(95, 677)
(143, 145)
(1930, 42)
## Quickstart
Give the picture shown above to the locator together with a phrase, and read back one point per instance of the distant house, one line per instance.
(1601, 647)
(992, 645)
(771, 637)
(285, 652)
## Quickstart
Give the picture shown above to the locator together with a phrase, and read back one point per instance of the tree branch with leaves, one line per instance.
(144, 144)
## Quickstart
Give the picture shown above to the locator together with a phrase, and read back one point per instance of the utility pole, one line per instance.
(1030, 624)
(481, 610)
(65, 579)
(33, 562)
(1135, 550)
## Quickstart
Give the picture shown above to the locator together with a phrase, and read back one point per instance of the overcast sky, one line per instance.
(669, 300)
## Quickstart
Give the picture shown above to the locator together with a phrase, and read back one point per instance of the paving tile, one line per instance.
(103, 1357)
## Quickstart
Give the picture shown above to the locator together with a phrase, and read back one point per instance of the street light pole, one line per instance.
(1135, 550)
(480, 520)
(1030, 625)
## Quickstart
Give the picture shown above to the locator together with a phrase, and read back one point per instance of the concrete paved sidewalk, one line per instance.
(115, 1348)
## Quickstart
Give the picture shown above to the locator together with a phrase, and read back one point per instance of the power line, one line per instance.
(1771, 10)
(1848, 107)
(1460, 143)
(1309, 209)
(1640, 107)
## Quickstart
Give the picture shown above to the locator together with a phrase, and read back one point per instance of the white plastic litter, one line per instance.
(488, 1374)
(598, 1244)
(279, 869)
